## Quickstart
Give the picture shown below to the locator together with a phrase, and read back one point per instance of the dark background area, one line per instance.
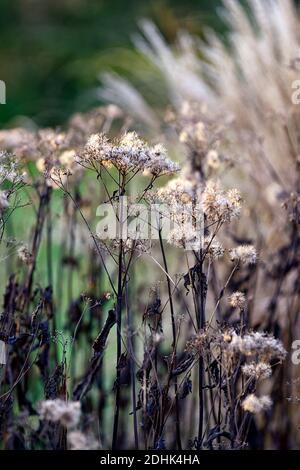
(53, 51)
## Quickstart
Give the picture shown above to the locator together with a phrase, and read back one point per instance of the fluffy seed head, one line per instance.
(262, 370)
(254, 404)
(237, 300)
(66, 413)
(245, 254)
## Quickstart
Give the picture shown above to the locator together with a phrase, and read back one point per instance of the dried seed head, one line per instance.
(66, 413)
(245, 254)
(227, 337)
(219, 205)
(25, 255)
(254, 404)
(258, 371)
(213, 248)
(213, 159)
(258, 345)
(128, 153)
(198, 343)
(237, 300)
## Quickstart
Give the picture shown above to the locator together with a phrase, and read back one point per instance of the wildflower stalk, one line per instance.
(132, 366)
(119, 314)
(50, 272)
(174, 355)
(44, 195)
(201, 323)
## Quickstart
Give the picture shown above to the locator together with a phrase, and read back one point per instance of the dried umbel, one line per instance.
(258, 371)
(199, 343)
(254, 404)
(10, 169)
(201, 133)
(244, 254)
(185, 236)
(132, 244)
(50, 143)
(180, 190)
(12, 179)
(188, 202)
(25, 255)
(219, 205)
(258, 344)
(42, 146)
(129, 153)
(60, 411)
(213, 248)
(194, 133)
(237, 300)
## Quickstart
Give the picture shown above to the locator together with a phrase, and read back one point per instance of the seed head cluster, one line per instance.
(60, 411)
(129, 153)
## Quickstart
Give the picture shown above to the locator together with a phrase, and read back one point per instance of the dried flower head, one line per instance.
(10, 169)
(254, 404)
(219, 205)
(50, 143)
(128, 153)
(237, 300)
(66, 413)
(199, 343)
(261, 370)
(213, 248)
(257, 344)
(245, 254)
(180, 190)
(185, 236)
(213, 159)
(25, 255)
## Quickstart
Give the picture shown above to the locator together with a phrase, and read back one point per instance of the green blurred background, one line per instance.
(53, 51)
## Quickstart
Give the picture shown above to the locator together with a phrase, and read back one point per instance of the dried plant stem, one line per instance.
(201, 322)
(174, 355)
(132, 367)
(44, 196)
(119, 317)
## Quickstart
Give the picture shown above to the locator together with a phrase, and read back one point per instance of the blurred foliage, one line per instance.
(52, 51)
